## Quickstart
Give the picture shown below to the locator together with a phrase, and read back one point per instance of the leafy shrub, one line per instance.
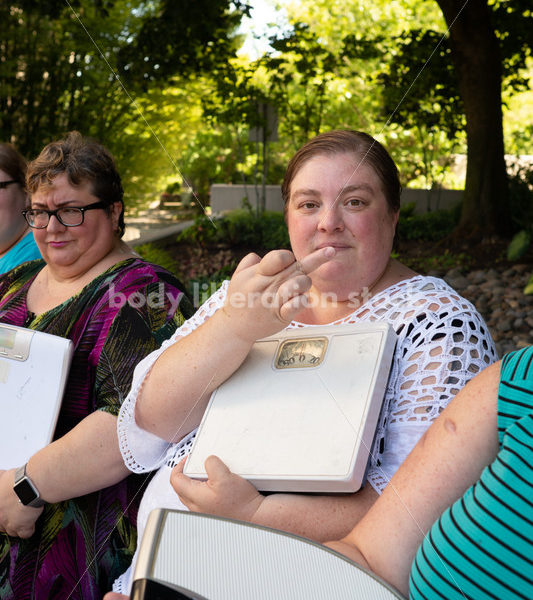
(274, 232)
(157, 256)
(529, 286)
(201, 288)
(205, 232)
(430, 226)
(240, 227)
(519, 245)
(441, 262)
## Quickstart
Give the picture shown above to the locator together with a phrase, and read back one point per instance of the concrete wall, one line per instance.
(229, 197)
(426, 200)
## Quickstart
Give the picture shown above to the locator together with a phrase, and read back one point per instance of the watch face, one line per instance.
(301, 353)
(25, 491)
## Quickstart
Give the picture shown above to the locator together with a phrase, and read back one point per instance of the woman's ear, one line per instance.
(396, 218)
(116, 210)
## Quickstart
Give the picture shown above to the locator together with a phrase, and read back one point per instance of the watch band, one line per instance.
(26, 490)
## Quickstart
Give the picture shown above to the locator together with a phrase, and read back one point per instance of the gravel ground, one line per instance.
(498, 295)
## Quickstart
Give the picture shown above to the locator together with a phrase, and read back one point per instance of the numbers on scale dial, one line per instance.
(301, 353)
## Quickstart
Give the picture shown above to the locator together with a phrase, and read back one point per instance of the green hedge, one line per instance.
(239, 228)
(430, 226)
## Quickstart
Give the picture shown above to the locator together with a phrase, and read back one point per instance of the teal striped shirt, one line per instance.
(482, 546)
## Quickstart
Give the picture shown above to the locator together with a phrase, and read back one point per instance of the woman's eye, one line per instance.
(308, 205)
(354, 202)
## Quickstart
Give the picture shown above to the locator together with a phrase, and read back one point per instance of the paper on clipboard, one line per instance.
(33, 372)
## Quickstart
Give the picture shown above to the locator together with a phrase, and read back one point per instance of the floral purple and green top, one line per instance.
(80, 546)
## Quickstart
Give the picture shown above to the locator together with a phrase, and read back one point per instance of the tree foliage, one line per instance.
(158, 82)
(63, 67)
(182, 37)
(448, 79)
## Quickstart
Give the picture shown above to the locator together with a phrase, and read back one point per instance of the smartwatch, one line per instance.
(25, 489)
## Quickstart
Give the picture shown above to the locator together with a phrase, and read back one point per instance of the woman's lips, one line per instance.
(337, 246)
(57, 244)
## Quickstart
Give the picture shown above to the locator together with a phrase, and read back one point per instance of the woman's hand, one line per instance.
(264, 295)
(224, 493)
(16, 519)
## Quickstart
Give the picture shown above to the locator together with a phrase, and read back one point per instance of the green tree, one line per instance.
(477, 58)
(488, 42)
(424, 100)
(301, 79)
(64, 66)
(461, 88)
(53, 78)
(182, 37)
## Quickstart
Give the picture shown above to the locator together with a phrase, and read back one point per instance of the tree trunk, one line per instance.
(477, 61)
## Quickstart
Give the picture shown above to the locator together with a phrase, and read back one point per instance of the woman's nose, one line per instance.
(331, 219)
(54, 224)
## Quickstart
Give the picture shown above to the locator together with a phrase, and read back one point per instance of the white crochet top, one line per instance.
(442, 343)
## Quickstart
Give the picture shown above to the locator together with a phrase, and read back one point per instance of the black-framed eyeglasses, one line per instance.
(4, 184)
(69, 216)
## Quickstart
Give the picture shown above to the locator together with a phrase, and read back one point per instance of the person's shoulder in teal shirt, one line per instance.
(26, 249)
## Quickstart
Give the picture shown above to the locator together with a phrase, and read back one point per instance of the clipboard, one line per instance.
(300, 413)
(33, 372)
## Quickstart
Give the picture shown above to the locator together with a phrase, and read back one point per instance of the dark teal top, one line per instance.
(482, 546)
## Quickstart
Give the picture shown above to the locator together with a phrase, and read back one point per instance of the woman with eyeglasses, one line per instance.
(16, 239)
(78, 530)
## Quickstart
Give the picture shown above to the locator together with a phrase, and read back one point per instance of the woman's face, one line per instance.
(74, 249)
(12, 202)
(335, 200)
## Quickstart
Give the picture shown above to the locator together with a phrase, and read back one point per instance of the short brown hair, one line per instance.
(13, 163)
(349, 141)
(82, 160)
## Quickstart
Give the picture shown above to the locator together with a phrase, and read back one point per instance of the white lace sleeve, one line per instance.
(443, 342)
(143, 451)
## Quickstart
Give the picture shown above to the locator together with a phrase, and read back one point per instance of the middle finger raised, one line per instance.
(275, 262)
(314, 260)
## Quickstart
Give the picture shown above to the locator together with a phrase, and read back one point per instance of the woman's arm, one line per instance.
(418, 384)
(263, 297)
(84, 460)
(225, 494)
(87, 458)
(447, 460)
(442, 346)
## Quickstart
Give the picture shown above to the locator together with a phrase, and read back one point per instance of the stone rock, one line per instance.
(457, 282)
(522, 344)
(453, 273)
(477, 277)
(518, 323)
(504, 325)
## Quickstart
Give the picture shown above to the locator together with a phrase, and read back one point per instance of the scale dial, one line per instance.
(301, 353)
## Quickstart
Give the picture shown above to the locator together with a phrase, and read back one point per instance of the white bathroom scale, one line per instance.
(300, 413)
(33, 371)
(184, 555)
